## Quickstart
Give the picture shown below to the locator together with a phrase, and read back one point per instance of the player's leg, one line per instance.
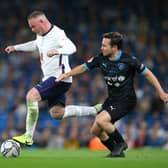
(115, 143)
(60, 111)
(40, 92)
(32, 99)
(78, 111)
(102, 135)
(104, 121)
(117, 111)
(56, 101)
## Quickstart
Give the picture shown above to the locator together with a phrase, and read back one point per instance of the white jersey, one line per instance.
(54, 39)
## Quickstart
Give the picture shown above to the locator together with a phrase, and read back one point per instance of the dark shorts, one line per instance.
(118, 109)
(52, 91)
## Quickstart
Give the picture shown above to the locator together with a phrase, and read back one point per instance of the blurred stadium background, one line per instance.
(145, 25)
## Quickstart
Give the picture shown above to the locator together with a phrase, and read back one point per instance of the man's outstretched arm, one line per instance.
(27, 47)
(75, 71)
(154, 81)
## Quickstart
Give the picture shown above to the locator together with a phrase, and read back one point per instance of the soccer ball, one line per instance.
(10, 148)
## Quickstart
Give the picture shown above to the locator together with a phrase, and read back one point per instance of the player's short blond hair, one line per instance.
(35, 14)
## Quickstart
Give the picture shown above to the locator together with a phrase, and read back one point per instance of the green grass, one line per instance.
(83, 158)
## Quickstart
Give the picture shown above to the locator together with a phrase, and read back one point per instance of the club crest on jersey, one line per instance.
(121, 66)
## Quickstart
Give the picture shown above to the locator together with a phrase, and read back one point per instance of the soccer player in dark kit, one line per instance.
(118, 69)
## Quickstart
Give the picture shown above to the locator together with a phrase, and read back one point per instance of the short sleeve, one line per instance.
(92, 63)
(137, 65)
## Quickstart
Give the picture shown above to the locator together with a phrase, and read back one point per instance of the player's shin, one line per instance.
(31, 118)
(120, 144)
(77, 111)
(117, 136)
(109, 143)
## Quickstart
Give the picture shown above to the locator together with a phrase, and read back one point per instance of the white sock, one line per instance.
(77, 111)
(31, 118)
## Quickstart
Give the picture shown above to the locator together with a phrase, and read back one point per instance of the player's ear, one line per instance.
(41, 21)
(114, 47)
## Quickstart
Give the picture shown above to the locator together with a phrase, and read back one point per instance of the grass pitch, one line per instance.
(84, 158)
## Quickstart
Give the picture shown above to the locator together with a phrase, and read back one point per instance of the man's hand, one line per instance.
(164, 97)
(62, 77)
(52, 53)
(9, 49)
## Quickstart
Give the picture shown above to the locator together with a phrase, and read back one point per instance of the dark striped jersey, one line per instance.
(118, 74)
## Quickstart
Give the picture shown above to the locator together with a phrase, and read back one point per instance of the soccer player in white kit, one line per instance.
(54, 47)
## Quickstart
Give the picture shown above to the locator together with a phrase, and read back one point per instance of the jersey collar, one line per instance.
(118, 55)
(48, 30)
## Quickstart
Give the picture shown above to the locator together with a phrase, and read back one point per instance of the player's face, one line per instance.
(106, 48)
(36, 25)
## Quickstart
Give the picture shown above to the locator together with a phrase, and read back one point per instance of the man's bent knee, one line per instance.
(100, 122)
(105, 125)
(33, 95)
(57, 112)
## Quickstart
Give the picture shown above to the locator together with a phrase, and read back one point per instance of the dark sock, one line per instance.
(116, 136)
(109, 143)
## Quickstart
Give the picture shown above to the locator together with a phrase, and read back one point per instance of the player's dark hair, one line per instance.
(116, 39)
(35, 14)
